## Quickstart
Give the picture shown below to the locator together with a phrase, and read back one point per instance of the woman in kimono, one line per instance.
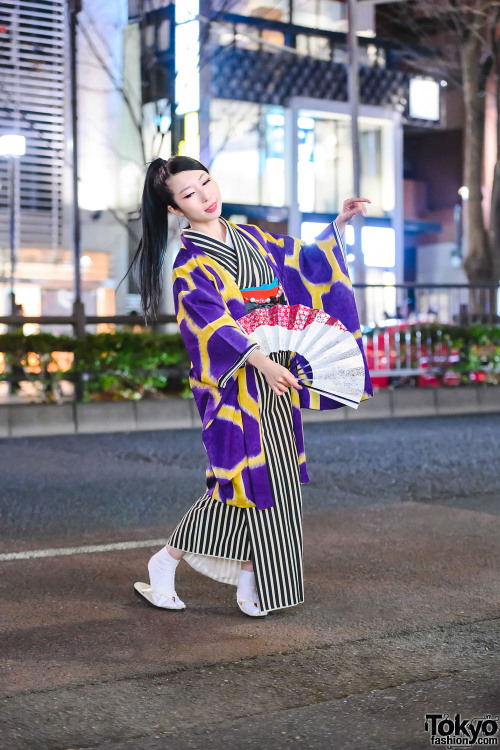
(246, 529)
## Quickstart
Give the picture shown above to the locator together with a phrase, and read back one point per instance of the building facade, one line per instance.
(258, 90)
(36, 187)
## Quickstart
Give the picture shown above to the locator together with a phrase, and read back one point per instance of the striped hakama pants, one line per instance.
(217, 537)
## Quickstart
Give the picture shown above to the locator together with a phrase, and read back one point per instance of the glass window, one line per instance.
(247, 145)
(273, 177)
(234, 142)
(379, 246)
(318, 47)
(328, 179)
(319, 14)
(274, 10)
(325, 175)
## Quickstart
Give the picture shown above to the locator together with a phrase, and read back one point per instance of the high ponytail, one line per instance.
(147, 262)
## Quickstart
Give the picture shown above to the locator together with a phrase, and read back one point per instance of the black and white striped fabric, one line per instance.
(244, 263)
(217, 537)
(276, 533)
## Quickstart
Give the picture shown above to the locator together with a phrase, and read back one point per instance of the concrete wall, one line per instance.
(23, 420)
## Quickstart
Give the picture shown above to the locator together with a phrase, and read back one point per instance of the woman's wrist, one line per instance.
(257, 359)
(341, 224)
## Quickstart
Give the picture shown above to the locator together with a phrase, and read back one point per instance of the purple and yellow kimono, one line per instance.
(207, 305)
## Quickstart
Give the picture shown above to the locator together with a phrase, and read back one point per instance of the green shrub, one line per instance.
(127, 365)
(121, 365)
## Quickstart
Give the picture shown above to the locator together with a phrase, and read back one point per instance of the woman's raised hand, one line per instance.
(351, 207)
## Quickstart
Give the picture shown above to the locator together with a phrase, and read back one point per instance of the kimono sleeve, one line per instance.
(332, 230)
(327, 246)
(216, 345)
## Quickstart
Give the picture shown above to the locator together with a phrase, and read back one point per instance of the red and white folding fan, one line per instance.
(327, 358)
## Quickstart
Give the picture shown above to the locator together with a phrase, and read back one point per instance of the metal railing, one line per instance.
(407, 303)
(399, 354)
(398, 341)
(430, 303)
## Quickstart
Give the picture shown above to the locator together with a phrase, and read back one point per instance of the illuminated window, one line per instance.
(379, 246)
(309, 230)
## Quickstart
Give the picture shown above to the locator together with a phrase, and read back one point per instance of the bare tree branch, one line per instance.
(118, 86)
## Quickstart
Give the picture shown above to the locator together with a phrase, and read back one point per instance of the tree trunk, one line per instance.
(495, 225)
(495, 236)
(495, 193)
(477, 263)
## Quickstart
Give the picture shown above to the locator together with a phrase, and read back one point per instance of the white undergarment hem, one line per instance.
(219, 568)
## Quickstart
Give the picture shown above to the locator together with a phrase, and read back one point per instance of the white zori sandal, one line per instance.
(158, 598)
(161, 569)
(251, 608)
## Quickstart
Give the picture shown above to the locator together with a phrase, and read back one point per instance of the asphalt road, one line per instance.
(401, 615)
(73, 484)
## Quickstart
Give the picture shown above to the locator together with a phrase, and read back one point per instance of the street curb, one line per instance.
(31, 420)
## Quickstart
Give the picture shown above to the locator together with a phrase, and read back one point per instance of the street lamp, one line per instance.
(13, 146)
(75, 7)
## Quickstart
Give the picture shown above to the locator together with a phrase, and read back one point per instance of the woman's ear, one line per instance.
(175, 211)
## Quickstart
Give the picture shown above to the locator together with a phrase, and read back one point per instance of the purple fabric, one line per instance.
(208, 305)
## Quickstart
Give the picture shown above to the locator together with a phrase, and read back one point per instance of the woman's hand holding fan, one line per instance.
(278, 377)
(327, 358)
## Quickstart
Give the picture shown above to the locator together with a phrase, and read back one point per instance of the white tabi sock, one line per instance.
(162, 567)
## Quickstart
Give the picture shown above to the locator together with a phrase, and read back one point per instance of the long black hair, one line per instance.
(147, 263)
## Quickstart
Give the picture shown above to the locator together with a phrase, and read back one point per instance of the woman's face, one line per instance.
(196, 195)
